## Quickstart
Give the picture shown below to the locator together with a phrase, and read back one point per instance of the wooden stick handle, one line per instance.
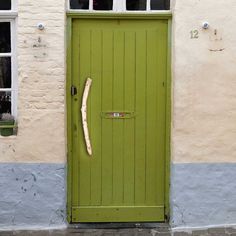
(84, 115)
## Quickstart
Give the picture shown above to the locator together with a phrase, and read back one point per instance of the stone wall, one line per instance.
(32, 169)
(203, 122)
(204, 82)
(41, 82)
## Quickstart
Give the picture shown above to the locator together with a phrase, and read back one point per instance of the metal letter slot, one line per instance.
(117, 115)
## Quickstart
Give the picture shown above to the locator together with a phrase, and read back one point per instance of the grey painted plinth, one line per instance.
(32, 195)
(203, 195)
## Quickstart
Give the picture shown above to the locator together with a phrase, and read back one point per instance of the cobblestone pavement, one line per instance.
(161, 231)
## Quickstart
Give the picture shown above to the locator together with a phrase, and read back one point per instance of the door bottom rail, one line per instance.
(118, 214)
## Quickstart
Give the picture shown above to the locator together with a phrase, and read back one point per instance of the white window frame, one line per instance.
(119, 6)
(11, 16)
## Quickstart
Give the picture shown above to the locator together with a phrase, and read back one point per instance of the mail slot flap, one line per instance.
(117, 115)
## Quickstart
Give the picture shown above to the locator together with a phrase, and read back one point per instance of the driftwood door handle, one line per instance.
(84, 115)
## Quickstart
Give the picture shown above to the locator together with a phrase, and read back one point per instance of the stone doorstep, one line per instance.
(138, 231)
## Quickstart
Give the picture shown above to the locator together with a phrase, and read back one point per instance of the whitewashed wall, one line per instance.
(41, 82)
(204, 81)
(32, 169)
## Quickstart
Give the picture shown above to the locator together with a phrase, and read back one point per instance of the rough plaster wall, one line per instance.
(203, 195)
(41, 82)
(32, 195)
(204, 82)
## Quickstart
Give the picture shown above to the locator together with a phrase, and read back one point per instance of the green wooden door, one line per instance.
(124, 179)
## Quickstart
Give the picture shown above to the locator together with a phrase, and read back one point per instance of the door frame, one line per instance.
(157, 16)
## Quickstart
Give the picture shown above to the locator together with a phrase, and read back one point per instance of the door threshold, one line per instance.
(118, 225)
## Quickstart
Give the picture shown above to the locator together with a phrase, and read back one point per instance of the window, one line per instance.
(160, 4)
(7, 61)
(5, 5)
(79, 4)
(120, 5)
(6, 85)
(102, 4)
(97, 5)
(136, 5)
(144, 5)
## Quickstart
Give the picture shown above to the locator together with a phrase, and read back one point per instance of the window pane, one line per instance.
(160, 4)
(136, 5)
(5, 5)
(5, 37)
(79, 4)
(103, 5)
(5, 72)
(5, 102)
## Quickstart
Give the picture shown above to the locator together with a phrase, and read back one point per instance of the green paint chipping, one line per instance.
(125, 179)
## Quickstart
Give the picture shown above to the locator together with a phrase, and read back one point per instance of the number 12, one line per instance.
(194, 34)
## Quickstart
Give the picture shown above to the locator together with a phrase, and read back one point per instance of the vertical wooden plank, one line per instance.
(161, 109)
(107, 138)
(95, 126)
(129, 131)
(168, 120)
(69, 117)
(118, 128)
(151, 123)
(75, 119)
(140, 121)
(84, 73)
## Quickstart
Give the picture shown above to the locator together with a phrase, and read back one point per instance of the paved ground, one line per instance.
(160, 231)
